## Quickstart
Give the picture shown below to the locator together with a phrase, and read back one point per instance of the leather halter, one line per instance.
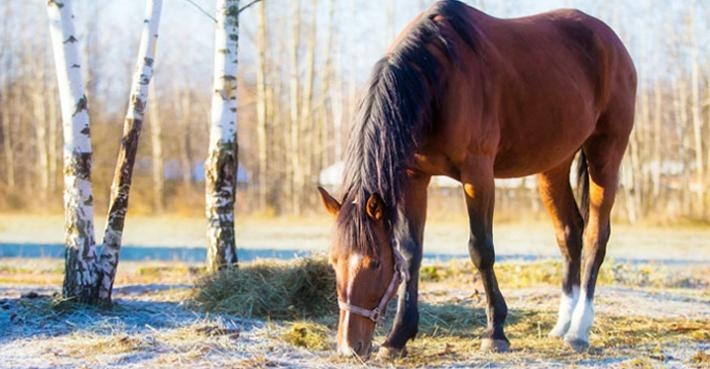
(376, 313)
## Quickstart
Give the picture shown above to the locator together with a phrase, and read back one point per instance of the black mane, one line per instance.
(404, 91)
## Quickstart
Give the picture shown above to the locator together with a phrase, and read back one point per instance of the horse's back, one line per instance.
(557, 73)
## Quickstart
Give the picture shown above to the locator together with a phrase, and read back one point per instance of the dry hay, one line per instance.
(300, 289)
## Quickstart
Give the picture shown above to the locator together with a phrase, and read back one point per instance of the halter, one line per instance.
(377, 312)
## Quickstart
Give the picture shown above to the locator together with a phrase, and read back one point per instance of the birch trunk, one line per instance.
(121, 185)
(156, 140)
(222, 160)
(261, 105)
(80, 274)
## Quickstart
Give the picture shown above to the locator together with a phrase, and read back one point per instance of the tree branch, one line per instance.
(245, 7)
(203, 10)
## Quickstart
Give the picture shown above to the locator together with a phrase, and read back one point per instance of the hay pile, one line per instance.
(301, 289)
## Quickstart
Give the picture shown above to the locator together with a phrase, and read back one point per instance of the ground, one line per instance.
(660, 319)
(653, 306)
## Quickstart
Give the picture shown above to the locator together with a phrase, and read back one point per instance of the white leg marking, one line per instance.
(581, 320)
(564, 315)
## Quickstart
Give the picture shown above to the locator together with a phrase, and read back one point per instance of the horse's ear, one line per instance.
(331, 205)
(375, 207)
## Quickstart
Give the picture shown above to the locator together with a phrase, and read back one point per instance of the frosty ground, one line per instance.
(653, 305)
(648, 316)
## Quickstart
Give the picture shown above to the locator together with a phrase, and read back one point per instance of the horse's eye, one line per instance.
(374, 264)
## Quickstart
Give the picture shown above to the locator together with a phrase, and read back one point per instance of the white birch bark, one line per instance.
(121, 185)
(222, 161)
(80, 272)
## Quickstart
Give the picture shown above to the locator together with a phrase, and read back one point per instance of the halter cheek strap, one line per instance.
(376, 313)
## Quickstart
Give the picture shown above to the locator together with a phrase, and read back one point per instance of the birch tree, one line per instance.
(87, 278)
(80, 274)
(222, 161)
(132, 125)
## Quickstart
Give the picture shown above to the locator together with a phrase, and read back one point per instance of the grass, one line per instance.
(547, 273)
(297, 300)
(449, 327)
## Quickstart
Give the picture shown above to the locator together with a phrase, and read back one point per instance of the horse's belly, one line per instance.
(538, 153)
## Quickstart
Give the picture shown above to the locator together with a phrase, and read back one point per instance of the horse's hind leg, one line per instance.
(479, 189)
(556, 194)
(604, 152)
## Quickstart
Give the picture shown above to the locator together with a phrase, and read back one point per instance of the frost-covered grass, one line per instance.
(648, 316)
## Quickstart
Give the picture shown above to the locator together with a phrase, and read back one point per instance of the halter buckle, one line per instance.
(375, 314)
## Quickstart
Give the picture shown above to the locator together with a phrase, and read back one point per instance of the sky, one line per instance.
(185, 46)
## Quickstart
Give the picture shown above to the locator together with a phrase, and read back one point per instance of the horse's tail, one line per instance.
(583, 185)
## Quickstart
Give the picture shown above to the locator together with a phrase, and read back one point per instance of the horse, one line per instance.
(466, 95)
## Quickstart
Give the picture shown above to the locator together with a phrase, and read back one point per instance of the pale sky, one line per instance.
(184, 53)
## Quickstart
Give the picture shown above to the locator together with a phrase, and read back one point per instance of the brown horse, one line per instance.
(473, 97)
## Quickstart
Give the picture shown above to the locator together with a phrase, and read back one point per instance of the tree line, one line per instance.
(297, 90)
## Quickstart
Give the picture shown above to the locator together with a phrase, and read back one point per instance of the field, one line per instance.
(652, 311)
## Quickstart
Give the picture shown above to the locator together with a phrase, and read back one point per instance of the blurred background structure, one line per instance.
(302, 66)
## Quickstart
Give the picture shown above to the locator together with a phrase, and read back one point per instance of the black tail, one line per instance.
(583, 185)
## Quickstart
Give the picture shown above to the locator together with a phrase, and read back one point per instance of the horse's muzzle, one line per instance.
(360, 349)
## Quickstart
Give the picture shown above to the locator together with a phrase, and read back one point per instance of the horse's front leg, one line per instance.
(409, 235)
(479, 190)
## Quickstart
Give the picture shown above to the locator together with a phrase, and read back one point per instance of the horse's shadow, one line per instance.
(448, 319)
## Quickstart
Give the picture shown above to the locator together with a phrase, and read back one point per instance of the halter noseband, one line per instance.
(376, 313)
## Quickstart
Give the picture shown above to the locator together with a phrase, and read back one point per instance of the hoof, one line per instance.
(558, 332)
(577, 344)
(494, 345)
(391, 353)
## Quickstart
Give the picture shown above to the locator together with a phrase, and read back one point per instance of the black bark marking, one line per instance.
(80, 105)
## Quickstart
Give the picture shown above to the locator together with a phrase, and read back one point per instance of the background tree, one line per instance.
(665, 173)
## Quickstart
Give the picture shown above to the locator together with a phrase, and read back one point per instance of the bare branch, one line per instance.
(245, 7)
(203, 11)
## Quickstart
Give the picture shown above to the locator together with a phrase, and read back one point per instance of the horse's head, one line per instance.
(365, 266)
